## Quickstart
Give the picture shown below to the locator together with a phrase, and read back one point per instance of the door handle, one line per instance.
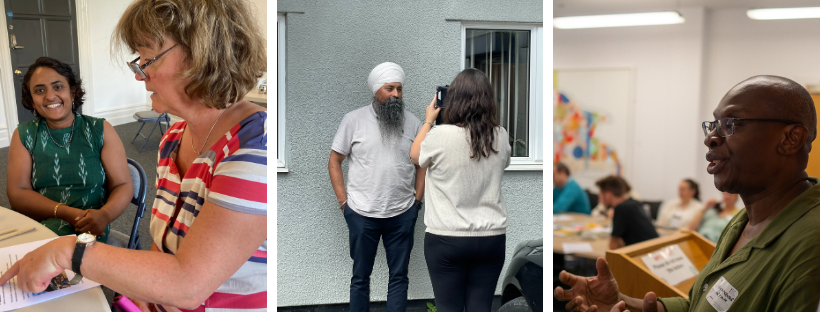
(14, 43)
(18, 72)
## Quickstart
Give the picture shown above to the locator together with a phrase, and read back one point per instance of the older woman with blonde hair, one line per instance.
(198, 58)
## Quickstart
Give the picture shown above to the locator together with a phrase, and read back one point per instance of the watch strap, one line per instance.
(77, 257)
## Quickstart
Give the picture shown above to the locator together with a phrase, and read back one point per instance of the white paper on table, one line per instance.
(12, 297)
(670, 264)
(576, 247)
(561, 217)
(599, 230)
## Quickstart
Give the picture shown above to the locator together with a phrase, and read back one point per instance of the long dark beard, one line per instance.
(391, 118)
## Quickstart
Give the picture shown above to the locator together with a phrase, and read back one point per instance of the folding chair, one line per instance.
(140, 189)
(140, 182)
(149, 117)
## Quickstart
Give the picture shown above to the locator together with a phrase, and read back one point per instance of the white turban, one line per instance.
(386, 72)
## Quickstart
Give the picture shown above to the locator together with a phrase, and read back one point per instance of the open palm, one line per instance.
(598, 293)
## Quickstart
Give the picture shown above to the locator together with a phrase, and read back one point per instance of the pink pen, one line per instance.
(125, 305)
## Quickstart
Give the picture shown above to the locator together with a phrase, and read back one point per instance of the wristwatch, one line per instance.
(83, 241)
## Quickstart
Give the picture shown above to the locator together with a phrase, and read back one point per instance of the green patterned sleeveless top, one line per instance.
(73, 174)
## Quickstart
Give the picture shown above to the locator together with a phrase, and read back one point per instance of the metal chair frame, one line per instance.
(158, 122)
(140, 189)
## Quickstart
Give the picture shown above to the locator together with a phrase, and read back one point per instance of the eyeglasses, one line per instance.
(726, 126)
(137, 69)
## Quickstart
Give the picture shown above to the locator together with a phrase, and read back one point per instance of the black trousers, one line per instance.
(464, 270)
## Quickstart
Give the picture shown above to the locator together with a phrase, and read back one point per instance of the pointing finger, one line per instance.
(12, 272)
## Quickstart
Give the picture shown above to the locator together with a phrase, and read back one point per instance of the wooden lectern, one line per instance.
(635, 279)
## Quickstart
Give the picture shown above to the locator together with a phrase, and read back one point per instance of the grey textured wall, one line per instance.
(331, 48)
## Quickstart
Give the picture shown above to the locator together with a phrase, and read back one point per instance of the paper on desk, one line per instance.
(12, 297)
(570, 248)
(605, 230)
(561, 217)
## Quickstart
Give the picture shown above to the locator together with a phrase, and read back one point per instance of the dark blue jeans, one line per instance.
(397, 234)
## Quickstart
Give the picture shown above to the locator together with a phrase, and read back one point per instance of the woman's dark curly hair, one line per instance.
(470, 104)
(74, 84)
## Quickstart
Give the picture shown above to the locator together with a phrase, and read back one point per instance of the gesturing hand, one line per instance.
(589, 293)
(92, 220)
(619, 307)
(650, 304)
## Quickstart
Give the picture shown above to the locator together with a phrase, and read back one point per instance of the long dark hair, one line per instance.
(693, 185)
(74, 83)
(470, 104)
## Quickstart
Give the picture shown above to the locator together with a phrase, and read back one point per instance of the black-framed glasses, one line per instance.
(726, 126)
(137, 69)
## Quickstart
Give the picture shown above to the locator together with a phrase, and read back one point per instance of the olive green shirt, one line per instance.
(779, 270)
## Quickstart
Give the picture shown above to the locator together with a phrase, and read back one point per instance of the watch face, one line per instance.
(86, 238)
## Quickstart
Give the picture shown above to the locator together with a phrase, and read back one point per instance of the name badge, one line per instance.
(722, 295)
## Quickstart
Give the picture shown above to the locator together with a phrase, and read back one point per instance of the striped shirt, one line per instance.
(231, 174)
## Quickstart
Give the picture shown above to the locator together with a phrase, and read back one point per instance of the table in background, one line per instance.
(259, 98)
(89, 300)
(600, 244)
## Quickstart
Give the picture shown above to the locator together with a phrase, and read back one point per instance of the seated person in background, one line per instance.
(677, 213)
(567, 195)
(602, 210)
(710, 222)
(630, 224)
(66, 170)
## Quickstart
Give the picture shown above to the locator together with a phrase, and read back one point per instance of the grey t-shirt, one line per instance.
(463, 196)
(380, 177)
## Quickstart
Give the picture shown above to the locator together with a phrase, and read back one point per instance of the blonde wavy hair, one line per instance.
(224, 50)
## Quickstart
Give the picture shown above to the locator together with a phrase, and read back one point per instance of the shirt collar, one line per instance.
(798, 207)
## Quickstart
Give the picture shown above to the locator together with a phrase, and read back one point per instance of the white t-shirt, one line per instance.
(379, 177)
(670, 215)
(462, 196)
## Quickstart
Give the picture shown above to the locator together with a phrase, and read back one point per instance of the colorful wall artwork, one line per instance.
(592, 122)
(574, 136)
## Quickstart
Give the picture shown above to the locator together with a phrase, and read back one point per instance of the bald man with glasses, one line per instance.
(768, 256)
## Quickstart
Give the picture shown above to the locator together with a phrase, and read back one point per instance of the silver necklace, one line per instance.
(209, 133)
(70, 137)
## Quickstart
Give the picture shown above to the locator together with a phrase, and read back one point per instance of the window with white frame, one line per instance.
(511, 56)
(281, 149)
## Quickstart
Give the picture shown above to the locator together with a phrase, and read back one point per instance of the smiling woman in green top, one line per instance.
(768, 256)
(66, 170)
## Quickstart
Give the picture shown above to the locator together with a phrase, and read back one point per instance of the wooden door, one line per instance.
(813, 169)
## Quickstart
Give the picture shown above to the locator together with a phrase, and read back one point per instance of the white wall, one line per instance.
(739, 48)
(117, 95)
(666, 61)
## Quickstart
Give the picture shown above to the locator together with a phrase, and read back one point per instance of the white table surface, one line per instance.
(90, 300)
